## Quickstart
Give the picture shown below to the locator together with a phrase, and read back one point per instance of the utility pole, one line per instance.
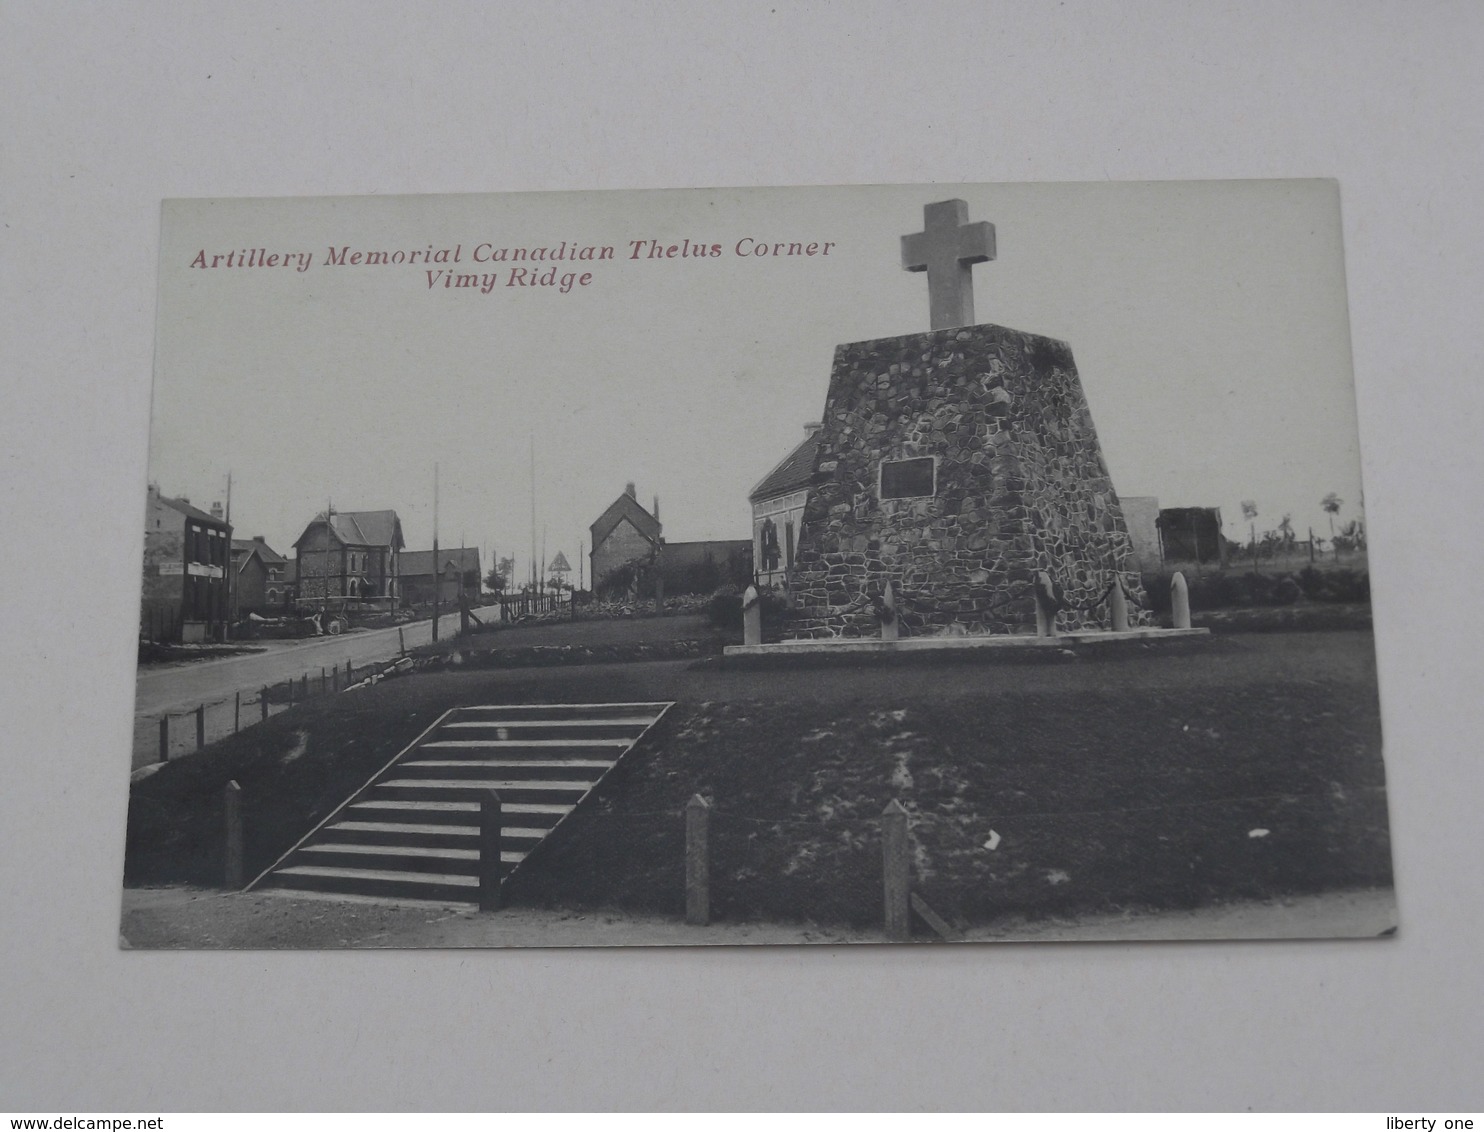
(437, 572)
(229, 574)
(533, 511)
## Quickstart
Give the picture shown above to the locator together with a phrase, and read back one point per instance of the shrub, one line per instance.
(725, 609)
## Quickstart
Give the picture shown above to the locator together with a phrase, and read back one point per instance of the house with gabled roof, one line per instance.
(778, 510)
(350, 556)
(260, 578)
(624, 535)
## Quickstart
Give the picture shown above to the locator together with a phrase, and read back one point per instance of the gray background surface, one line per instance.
(106, 110)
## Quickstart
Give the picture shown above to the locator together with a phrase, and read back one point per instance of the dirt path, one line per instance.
(191, 919)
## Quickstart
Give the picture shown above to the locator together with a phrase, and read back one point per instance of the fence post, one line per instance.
(752, 617)
(1118, 607)
(490, 832)
(324, 683)
(263, 703)
(304, 687)
(290, 684)
(697, 861)
(200, 726)
(897, 872)
(233, 807)
(164, 738)
(1045, 614)
(237, 711)
(889, 631)
(348, 671)
(1180, 601)
(401, 642)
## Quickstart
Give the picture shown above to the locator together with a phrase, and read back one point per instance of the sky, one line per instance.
(1208, 321)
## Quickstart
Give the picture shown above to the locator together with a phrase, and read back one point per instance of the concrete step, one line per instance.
(543, 814)
(587, 770)
(377, 882)
(428, 836)
(414, 834)
(402, 858)
(471, 789)
(644, 712)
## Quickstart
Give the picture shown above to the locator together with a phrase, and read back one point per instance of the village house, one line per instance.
(350, 556)
(184, 597)
(260, 578)
(778, 510)
(624, 540)
(629, 552)
(458, 570)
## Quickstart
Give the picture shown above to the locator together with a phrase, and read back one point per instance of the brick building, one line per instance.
(350, 556)
(624, 535)
(186, 555)
(260, 578)
(778, 510)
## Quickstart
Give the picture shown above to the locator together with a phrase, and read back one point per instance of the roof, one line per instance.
(192, 512)
(246, 546)
(361, 528)
(795, 472)
(625, 507)
(412, 563)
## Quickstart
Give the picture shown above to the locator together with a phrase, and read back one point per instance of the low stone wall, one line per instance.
(1019, 487)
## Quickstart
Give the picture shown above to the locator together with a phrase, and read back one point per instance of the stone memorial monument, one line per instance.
(957, 465)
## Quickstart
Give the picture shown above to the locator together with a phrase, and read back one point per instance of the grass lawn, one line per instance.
(1137, 780)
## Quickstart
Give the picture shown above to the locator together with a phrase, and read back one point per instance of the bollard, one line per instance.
(236, 711)
(1118, 607)
(1180, 601)
(896, 872)
(697, 861)
(200, 726)
(232, 800)
(889, 626)
(263, 703)
(490, 833)
(164, 738)
(401, 642)
(1045, 614)
(752, 617)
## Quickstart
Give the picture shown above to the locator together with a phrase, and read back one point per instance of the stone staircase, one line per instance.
(412, 832)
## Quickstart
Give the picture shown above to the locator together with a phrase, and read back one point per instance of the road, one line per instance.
(184, 686)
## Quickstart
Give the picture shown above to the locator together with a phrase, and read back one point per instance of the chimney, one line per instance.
(630, 492)
(216, 510)
(258, 538)
(813, 427)
(656, 511)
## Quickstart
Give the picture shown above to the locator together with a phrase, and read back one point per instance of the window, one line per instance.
(909, 479)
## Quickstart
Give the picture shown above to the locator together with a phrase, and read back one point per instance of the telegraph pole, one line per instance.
(437, 579)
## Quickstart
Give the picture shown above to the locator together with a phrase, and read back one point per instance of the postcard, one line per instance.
(935, 563)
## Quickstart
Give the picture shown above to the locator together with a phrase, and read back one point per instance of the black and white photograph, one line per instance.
(952, 563)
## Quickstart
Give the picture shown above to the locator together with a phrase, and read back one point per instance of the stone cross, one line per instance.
(947, 248)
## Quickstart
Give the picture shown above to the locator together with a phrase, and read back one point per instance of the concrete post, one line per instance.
(200, 726)
(752, 617)
(490, 832)
(1180, 601)
(401, 642)
(263, 704)
(1045, 615)
(896, 872)
(889, 621)
(697, 861)
(232, 799)
(164, 738)
(1118, 607)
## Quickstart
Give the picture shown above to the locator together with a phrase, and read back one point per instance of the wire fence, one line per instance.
(162, 736)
